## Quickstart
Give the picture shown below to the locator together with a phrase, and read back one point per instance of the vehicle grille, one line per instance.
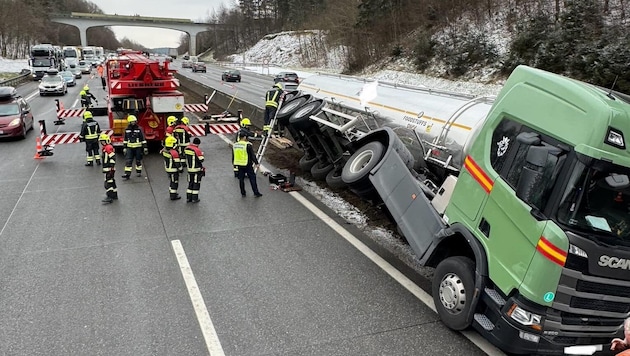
(599, 305)
(599, 288)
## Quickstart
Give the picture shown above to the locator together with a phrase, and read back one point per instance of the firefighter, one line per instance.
(109, 168)
(135, 146)
(194, 161)
(272, 100)
(171, 121)
(89, 134)
(171, 165)
(182, 133)
(245, 130)
(245, 158)
(86, 98)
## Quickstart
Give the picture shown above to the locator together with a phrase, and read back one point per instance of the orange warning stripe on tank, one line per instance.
(480, 176)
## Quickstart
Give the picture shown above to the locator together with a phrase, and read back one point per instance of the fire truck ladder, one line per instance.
(265, 141)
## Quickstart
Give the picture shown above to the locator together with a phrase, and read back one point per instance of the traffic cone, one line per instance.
(38, 148)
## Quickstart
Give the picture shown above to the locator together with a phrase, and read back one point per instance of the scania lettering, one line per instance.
(520, 202)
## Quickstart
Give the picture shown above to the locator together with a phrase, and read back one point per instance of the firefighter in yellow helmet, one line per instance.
(272, 101)
(135, 146)
(171, 121)
(196, 170)
(171, 165)
(86, 98)
(245, 130)
(182, 133)
(90, 130)
(109, 168)
(245, 159)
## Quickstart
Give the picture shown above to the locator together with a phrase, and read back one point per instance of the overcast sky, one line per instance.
(196, 10)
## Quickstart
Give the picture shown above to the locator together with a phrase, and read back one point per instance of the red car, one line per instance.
(16, 117)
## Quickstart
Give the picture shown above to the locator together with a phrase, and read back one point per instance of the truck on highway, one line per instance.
(44, 57)
(521, 202)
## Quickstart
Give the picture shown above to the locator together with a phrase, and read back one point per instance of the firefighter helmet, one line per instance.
(245, 122)
(185, 120)
(82, 93)
(170, 142)
(104, 138)
(86, 88)
(171, 120)
(132, 119)
(87, 115)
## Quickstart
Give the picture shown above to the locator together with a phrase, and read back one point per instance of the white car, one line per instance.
(52, 83)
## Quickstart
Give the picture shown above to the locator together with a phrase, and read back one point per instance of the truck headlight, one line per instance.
(525, 317)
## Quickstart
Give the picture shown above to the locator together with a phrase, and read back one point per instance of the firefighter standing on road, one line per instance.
(171, 165)
(86, 98)
(109, 168)
(272, 100)
(135, 146)
(194, 161)
(182, 133)
(245, 158)
(89, 133)
(245, 130)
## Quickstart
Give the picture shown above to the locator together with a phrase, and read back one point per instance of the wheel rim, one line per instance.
(303, 111)
(361, 161)
(452, 293)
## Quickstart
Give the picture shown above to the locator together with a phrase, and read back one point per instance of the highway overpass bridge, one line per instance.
(83, 21)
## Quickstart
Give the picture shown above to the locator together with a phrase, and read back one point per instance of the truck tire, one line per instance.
(355, 171)
(320, 170)
(333, 179)
(453, 289)
(307, 163)
(290, 106)
(300, 119)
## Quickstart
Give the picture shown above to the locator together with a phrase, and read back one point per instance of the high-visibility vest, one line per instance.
(171, 160)
(92, 130)
(240, 153)
(272, 98)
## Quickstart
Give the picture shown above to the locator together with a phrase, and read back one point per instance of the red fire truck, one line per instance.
(144, 87)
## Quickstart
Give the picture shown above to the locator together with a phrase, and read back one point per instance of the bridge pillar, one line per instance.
(192, 45)
(82, 34)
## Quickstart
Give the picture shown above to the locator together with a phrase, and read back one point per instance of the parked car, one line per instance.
(68, 76)
(52, 83)
(286, 77)
(199, 67)
(85, 66)
(231, 76)
(16, 117)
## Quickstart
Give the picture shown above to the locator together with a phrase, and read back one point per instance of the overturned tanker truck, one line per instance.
(520, 202)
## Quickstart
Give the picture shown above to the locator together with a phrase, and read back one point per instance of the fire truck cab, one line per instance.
(146, 88)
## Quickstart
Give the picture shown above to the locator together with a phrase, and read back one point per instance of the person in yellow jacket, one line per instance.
(135, 147)
(272, 101)
(90, 131)
(171, 165)
(196, 170)
(109, 168)
(245, 159)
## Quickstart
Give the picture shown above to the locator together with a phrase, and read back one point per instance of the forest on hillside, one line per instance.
(584, 39)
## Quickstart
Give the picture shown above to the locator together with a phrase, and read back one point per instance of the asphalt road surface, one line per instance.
(227, 276)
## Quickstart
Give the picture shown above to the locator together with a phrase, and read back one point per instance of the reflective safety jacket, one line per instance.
(108, 156)
(90, 130)
(194, 158)
(171, 160)
(182, 134)
(273, 97)
(244, 154)
(134, 137)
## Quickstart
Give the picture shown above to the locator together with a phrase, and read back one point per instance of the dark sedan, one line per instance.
(231, 76)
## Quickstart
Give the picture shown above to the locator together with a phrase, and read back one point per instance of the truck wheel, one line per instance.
(307, 163)
(321, 169)
(333, 179)
(301, 117)
(453, 289)
(290, 106)
(356, 171)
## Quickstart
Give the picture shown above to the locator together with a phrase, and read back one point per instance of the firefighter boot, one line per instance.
(175, 196)
(98, 162)
(107, 200)
(188, 197)
(89, 164)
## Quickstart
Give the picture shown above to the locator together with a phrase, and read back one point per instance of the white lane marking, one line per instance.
(31, 95)
(423, 296)
(207, 328)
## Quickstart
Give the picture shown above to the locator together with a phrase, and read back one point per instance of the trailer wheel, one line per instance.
(453, 289)
(301, 117)
(356, 171)
(320, 170)
(333, 179)
(289, 106)
(307, 163)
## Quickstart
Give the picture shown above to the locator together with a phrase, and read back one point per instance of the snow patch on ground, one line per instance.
(12, 65)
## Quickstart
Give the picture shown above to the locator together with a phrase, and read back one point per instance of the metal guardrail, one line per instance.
(11, 82)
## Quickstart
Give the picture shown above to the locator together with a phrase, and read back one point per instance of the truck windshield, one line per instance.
(597, 202)
(42, 62)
